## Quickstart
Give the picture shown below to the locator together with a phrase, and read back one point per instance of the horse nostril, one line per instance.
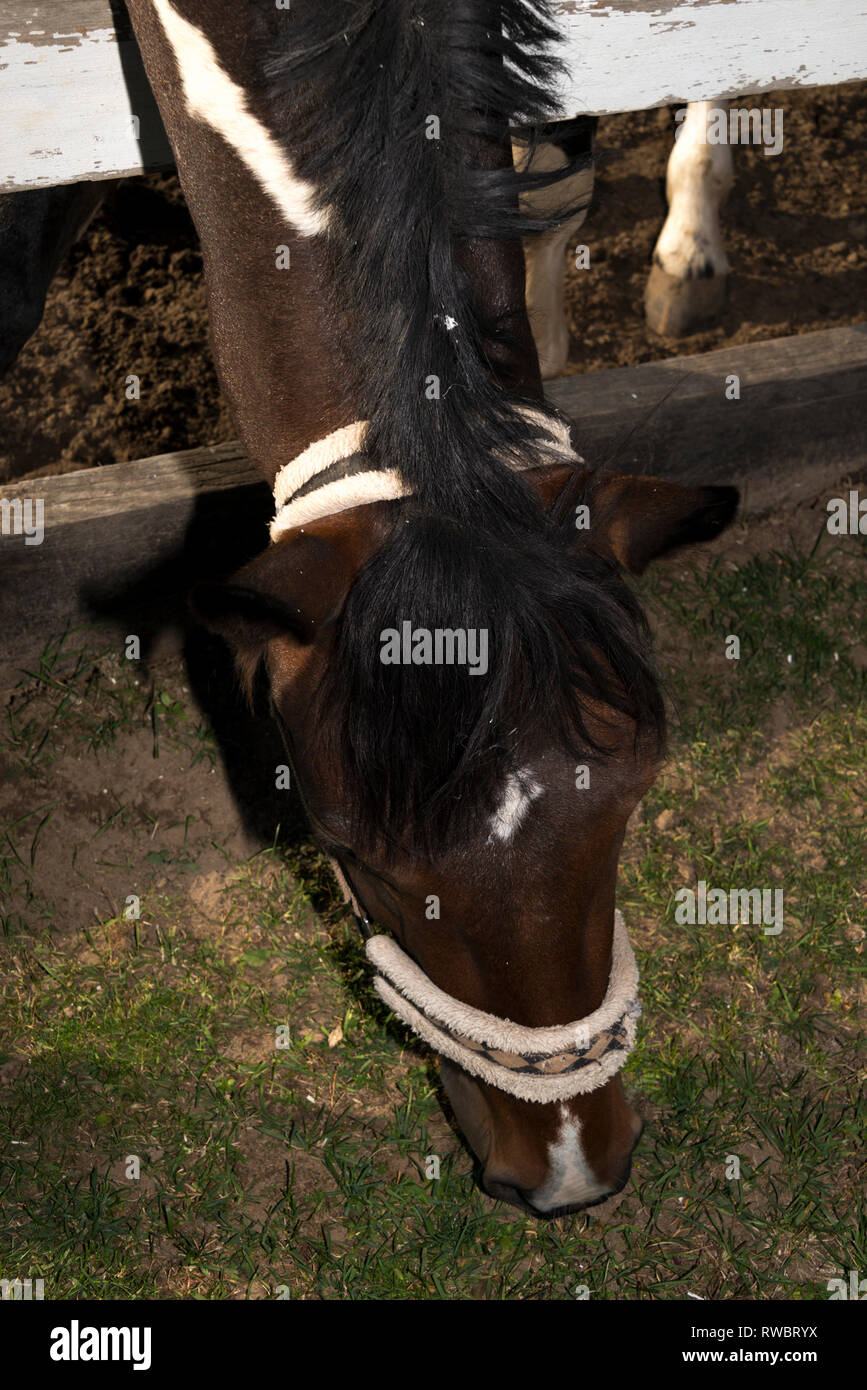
(507, 1192)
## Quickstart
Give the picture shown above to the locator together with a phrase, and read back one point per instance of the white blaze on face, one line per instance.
(521, 790)
(213, 97)
(572, 1180)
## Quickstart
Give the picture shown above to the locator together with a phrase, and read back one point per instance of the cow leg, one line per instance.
(545, 256)
(37, 226)
(687, 283)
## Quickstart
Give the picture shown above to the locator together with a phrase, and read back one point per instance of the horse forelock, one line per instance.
(429, 752)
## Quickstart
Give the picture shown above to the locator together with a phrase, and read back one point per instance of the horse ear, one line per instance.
(293, 589)
(630, 519)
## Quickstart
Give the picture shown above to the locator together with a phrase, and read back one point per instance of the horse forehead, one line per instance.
(519, 792)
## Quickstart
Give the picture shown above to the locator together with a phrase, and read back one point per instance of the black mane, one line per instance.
(352, 85)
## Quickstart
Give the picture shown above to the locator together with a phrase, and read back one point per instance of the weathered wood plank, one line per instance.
(800, 422)
(75, 101)
(628, 55)
(124, 543)
(71, 78)
(165, 479)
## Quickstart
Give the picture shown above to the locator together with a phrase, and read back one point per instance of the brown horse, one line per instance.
(442, 612)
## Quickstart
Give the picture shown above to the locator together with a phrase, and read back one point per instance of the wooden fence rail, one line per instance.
(75, 103)
(123, 544)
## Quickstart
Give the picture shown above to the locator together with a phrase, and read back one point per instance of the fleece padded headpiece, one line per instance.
(334, 473)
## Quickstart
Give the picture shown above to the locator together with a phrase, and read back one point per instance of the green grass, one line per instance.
(303, 1167)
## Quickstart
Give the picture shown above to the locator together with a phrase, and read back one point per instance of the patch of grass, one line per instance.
(286, 1128)
(794, 614)
(85, 698)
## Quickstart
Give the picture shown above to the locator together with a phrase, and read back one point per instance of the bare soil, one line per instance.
(130, 298)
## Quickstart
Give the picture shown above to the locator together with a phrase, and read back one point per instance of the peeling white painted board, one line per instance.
(629, 55)
(70, 86)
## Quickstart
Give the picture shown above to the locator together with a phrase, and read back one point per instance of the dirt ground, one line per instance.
(162, 909)
(130, 296)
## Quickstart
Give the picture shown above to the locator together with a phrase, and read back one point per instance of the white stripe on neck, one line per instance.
(373, 485)
(319, 455)
(214, 98)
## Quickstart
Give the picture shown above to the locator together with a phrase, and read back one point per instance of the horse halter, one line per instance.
(334, 473)
(537, 1064)
(534, 1064)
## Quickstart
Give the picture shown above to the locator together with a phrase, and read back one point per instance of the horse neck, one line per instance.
(282, 351)
(283, 348)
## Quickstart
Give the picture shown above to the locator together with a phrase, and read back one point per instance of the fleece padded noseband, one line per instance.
(538, 1064)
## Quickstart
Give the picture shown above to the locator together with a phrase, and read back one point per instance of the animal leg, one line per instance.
(37, 227)
(545, 256)
(687, 282)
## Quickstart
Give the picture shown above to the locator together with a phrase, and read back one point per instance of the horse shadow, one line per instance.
(225, 529)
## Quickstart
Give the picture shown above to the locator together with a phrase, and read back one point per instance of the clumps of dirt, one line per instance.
(794, 225)
(130, 300)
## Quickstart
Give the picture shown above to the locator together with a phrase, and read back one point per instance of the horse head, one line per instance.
(489, 849)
